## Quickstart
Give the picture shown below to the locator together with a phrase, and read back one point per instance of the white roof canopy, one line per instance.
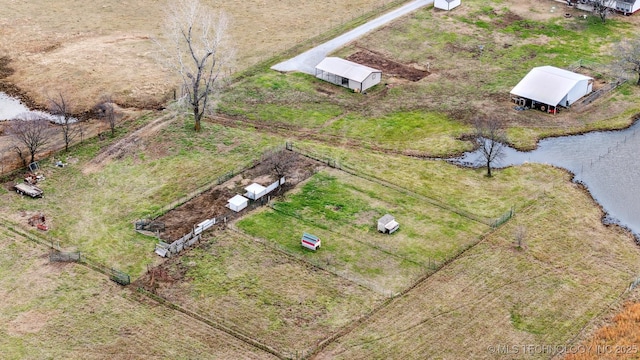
(238, 200)
(547, 84)
(346, 68)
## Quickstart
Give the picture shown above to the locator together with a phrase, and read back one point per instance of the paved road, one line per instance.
(307, 61)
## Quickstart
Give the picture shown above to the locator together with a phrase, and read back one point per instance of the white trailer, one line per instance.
(30, 190)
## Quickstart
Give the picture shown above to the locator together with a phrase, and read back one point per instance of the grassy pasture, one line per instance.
(571, 268)
(94, 212)
(343, 210)
(67, 311)
(265, 294)
(476, 54)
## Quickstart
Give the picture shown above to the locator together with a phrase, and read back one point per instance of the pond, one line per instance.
(607, 163)
(11, 108)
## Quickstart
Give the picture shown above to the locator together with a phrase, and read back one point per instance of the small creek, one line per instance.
(11, 108)
(606, 162)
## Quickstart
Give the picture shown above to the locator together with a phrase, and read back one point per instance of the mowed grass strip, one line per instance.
(265, 294)
(343, 211)
(67, 311)
(570, 269)
(94, 212)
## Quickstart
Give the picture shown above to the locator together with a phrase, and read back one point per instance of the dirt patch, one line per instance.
(388, 66)
(213, 203)
(29, 322)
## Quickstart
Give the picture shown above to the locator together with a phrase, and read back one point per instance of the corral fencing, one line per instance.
(190, 239)
(115, 275)
(504, 218)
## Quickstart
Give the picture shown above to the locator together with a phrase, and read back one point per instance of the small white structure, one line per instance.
(255, 191)
(237, 203)
(547, 87)
(348, 74)
(310, 241)
(446, 4)
(626, 6)
(387, 224)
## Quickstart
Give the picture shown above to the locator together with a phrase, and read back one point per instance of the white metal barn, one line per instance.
(547, 87)
(446, 4)
(237, 203)
(348, 74)
(626, 6)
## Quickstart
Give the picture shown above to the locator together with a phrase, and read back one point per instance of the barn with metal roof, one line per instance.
(547, 88)
(348, 74)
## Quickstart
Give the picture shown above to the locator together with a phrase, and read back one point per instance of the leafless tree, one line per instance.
(628, 56)
(199, 51)
(106, 111)
(59, 106)
(601, 8)
(491, 140)
(30, 132)
(520, 235)
(280, 161)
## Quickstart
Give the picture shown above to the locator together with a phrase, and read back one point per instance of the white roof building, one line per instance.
(255, 191)
(552, 86)
(237, 203)
(348, 74)
(446, 4)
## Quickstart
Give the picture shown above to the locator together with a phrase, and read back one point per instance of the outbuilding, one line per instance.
(547, 88)
(311, 242)
(255, 191)
(388, 224)
(446, 4)
(348, 74)
(237, 203)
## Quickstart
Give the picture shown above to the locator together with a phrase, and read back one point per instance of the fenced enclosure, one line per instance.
(119, 277)
(504, 218)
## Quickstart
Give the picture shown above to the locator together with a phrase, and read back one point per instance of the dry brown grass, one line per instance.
(618, 339)
(66, 311)
(95, 48)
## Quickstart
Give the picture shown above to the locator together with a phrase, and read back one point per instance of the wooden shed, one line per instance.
(237, 203)
(310, 241)
(446, 4)
(348, 74)
(388, 224)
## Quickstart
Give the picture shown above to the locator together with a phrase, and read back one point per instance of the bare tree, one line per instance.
(280, 161)
(520, 235)
(491, 141)
(628, 56)
(60, 107)
(601, 8)
(30, 132)
(199, 52)
(106, 111)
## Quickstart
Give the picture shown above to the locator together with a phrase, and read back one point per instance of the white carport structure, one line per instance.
(547, 87)
(348, 74)
(446, 4)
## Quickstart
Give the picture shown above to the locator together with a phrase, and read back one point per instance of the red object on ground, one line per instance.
(42, 227)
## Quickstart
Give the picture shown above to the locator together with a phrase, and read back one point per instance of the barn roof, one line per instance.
(386, 219)
(346, 69)
(547, 84)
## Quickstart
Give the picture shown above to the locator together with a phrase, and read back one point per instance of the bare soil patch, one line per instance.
(213, 203)
(388, 66)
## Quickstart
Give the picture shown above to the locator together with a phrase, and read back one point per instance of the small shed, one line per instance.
(310, 241)
(548, 87)
(255, 191)
(446, 4)
(348, 74)
(237, 203)
(388, 224)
